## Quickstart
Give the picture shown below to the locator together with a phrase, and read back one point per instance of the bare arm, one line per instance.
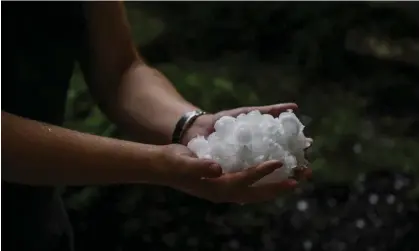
(39, 154)
(135, 96)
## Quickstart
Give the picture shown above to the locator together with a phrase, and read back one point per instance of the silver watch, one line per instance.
(184, 123)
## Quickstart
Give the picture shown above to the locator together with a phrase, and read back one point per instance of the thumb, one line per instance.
(273, 110)
(201, 168)
(253, 174)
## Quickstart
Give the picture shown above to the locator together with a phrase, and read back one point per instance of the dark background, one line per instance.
(353, 68)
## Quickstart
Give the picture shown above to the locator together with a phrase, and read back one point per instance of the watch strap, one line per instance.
(184, 123)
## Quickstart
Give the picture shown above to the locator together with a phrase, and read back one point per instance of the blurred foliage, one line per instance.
(359, 106)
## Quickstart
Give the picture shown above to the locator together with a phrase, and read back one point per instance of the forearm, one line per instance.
(40, 154)
(151, 105)
(134, 96)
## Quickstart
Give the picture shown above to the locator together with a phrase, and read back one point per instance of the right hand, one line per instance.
(178, 164)
(202, 178)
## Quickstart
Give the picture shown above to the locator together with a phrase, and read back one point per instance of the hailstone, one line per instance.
(253, 138)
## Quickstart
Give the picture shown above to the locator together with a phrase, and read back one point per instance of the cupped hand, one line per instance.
(202, 178)
(177, 164)
(204, 125)
(237, 187)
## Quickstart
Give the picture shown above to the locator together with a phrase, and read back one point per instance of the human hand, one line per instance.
(179, 168)
(177, 164)
(204, 125)
(237, 187)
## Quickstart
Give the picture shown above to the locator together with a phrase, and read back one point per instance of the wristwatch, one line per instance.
(184, 123)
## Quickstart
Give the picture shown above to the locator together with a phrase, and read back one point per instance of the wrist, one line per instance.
(158, 165)
(198, 128)
(152, 166)
(184, 124)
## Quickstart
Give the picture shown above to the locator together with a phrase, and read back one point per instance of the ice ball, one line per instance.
(253, 138)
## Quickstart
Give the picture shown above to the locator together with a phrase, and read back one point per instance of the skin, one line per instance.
(140, 100)
(41, 154)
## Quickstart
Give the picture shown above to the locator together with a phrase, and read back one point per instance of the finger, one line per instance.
(201, 168)
(188, 154)
(303, 173)
(277, 109)
(253, 174)
(310, 142)
(268, 192)
(273, 110)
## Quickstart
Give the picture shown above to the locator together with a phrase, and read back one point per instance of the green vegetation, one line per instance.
(342, 110)
(352, 69)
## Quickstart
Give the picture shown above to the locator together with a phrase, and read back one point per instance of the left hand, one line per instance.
(204, 125)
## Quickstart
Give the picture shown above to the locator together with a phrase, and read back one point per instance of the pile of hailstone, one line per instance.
(253, 138)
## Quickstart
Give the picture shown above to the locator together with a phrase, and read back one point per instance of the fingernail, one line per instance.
(292, 183)
(289, 184)
(216, 168)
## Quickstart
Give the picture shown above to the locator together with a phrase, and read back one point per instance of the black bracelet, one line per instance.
(184, 123)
